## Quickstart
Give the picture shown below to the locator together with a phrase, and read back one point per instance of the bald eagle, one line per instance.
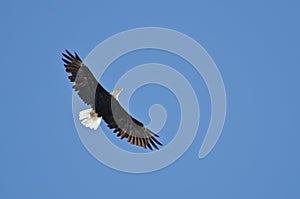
(105, 105)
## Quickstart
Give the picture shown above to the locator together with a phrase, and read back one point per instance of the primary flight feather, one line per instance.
(105, 105)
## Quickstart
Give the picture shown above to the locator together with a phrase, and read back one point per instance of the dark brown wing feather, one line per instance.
(106, 106)
(86, 84)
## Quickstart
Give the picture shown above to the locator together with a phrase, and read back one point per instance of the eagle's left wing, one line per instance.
(85, 83)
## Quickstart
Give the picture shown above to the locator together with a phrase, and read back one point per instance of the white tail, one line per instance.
(90, 118)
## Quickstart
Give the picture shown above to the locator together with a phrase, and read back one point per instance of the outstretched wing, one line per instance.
(128, 127)
(106, 106)
(86, 84)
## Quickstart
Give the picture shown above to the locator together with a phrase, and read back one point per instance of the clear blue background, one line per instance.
(256, 47)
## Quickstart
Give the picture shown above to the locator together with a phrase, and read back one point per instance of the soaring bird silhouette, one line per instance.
(105, 105)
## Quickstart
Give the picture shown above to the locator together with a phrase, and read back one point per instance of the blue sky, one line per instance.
(256, 47)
